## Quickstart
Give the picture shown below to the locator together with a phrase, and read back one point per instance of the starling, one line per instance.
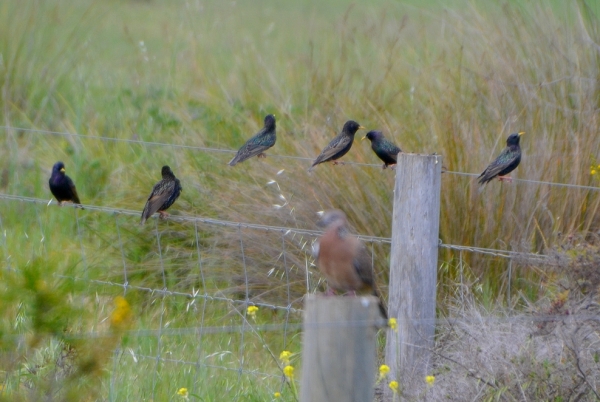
(259, 143)
(163, 195)
(340, 145)
(384, 149)
(506, 162)
(62, 186)
(344, 259)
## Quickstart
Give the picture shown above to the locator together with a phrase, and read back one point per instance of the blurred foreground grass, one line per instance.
(453, 78)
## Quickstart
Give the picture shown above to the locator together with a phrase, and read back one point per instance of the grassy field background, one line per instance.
(453, 78)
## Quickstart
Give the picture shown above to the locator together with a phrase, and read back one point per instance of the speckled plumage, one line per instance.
(163, 195)
(343, 259)
(506, 162)
(61, 185)
(383, 148)
(259, 143)
(340, 145)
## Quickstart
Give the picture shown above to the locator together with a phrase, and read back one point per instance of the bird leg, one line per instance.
(505, 178)
(163, 214)
(262, 155)
(329, 291)
(338, 163)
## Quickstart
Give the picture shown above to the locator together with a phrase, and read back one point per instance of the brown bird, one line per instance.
(163, 195)
(344, 259)
(339, 146)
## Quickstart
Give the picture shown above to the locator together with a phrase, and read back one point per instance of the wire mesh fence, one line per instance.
(190, 282)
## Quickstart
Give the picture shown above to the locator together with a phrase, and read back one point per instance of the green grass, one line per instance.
(453, 78)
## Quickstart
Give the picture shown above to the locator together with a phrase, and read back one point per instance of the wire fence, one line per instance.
(233, 151)
(193, 278)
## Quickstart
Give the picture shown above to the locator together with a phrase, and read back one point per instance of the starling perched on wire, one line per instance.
(62, 186)
(259, 143)
(164, 193)
(384, 149)
(506, 162)
(344, 259)
(339, 146)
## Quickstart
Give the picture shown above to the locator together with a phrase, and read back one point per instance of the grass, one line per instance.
(453, 78)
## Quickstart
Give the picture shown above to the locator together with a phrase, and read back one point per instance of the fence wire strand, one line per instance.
(233, 151)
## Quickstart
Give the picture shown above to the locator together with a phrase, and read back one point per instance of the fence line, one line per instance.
(158, 345)
(302, 158)
(539, 258)
(232, 329)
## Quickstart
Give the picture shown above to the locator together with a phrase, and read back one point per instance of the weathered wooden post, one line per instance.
(413, 269)
(338, 354)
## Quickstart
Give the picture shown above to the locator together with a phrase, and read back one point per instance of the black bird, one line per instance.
(62, 186)
(340, 145)
(259, 143)
(506, 162)
(164, 193)
(384, 149)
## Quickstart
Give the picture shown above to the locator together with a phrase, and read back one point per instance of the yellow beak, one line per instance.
(359, 127)
(363, 138)
(521, 133)
(62, 170)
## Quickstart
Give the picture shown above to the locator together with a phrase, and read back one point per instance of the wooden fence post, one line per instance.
(339, 348)
(413, 270)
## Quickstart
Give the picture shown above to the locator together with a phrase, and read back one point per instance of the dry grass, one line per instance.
(453, 80)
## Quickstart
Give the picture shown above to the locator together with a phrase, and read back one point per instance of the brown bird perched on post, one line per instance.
(344, 259)
(163, 195)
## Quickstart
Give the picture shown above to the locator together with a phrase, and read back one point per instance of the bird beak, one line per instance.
(363, 138)
(361, 127)
(521, 133)
(62, 170)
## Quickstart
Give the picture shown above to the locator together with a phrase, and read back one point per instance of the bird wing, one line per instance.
(391, 148)
(159, 195)
(254, 146)
(363, 264)
(507, 157)
(333, 148)
(75, 198)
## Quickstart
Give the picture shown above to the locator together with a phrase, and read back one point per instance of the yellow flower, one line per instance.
(288, 371)
(430, 380)
(252, 311)
(593, 171)
(277, 394)
(393, 324)
(182, 392)
(285, 356)
(383, 370)
(122, 313)
(394, 386)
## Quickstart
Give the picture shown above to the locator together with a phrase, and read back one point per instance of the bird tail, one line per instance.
(145, 216)
(234, 161)
(381, 305)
